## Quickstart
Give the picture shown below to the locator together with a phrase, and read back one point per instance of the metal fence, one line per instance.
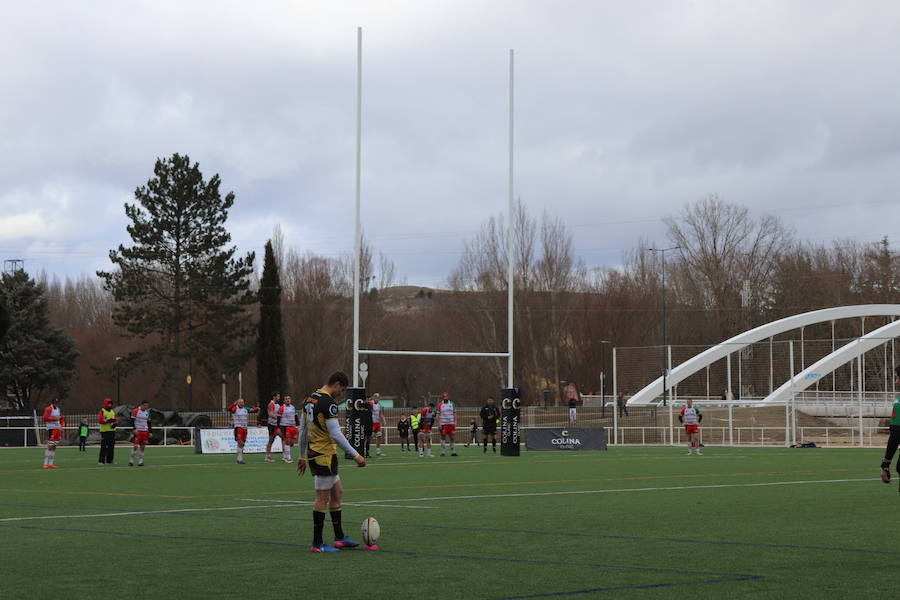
(744, 423)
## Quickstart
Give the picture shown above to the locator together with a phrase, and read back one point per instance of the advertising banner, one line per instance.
(571, 438)
(221, 441)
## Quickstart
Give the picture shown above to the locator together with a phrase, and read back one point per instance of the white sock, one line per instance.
(46, 457)
(240, 453)
(52, 455)
(133, 452)
(442, 445)
(452, 445)
(287, 452)
(141, 456)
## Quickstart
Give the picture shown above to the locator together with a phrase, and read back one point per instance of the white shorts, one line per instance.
(325, 482)
(572, 414)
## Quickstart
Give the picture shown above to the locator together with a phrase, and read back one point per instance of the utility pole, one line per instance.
(665, 338)
(118, 381)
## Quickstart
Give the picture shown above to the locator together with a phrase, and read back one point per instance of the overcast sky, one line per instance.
(625, 112)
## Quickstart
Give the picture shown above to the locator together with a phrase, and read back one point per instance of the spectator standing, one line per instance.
(83, 431)
(108, 421)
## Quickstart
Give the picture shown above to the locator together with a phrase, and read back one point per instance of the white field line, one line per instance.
(139, 512)
(412, 463)
(369, 503)
(622, 490)
(385, 503)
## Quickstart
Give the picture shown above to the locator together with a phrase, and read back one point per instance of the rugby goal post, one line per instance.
(510, 396)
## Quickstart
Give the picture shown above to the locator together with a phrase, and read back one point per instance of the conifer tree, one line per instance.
(35, 357)
(271, 368)
(179, 285)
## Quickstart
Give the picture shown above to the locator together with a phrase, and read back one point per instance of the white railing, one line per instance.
(40, 435)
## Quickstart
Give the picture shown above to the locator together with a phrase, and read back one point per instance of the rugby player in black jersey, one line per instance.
(320, 435)
(489, 416)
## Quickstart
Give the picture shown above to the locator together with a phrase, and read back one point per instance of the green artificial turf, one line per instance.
(636, 522)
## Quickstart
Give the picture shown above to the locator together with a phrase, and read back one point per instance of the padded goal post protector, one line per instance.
(510, 420)
(354, 428)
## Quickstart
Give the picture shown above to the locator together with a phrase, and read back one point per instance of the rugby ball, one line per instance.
(370, 531)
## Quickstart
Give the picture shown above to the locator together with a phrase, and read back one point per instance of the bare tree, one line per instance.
(721, 247)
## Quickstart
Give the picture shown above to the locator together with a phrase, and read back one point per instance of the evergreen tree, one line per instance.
(178, 286)
(34, 356)
(271, 368)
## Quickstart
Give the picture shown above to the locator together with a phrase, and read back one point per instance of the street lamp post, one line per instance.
(665, 339)
(118, 381)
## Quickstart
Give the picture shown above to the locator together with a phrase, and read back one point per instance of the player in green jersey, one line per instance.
(894, 439)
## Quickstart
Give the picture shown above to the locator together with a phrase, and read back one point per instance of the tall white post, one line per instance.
(708, 397)
(615, 392)
(833, 371)
(357, 245)
(669, 394)
(860, 377)
(793, 410)
(730, 394)
(509, 230)
(731, 424)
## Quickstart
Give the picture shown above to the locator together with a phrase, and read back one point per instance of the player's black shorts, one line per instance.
(274, 430)
(490, 429)
(324, 465)
(367, 431)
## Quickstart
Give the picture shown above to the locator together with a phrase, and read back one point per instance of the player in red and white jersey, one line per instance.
(377, 421)
(426, 422)
(446, 413)
(691, 418)
(274, 431)
(141, 418)
(53, 421)
(240, 421)
(287, 421)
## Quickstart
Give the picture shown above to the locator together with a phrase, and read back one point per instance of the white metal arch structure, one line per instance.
(814, 372)
(646, 395)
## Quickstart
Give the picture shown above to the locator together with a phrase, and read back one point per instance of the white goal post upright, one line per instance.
(358, 242)
(509, 230)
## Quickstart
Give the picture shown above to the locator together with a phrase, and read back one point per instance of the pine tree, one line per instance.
(34, 356)
(271, 367)
(179, 286)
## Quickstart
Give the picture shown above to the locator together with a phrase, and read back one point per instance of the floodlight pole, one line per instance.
(358, 232)
(665, 340)
(509, 231)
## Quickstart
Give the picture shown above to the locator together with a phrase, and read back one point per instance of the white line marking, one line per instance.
(622, 490)
(412, 463)
(367, 503)
(141, 512)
